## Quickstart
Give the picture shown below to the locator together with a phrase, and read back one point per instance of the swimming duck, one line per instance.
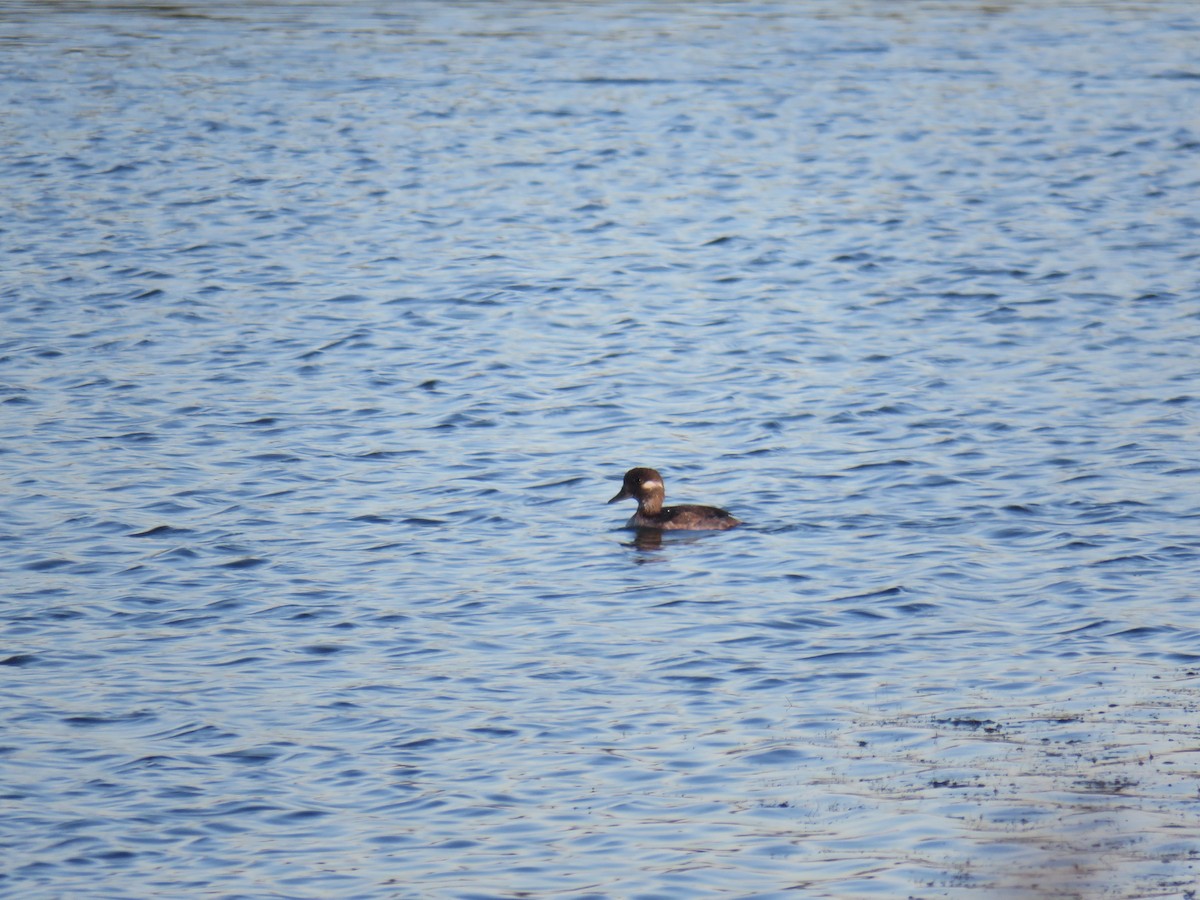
(646, 487)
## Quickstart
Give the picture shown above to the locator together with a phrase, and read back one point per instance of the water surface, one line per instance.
(329, 329)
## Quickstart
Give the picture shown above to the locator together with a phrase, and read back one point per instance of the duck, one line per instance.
(646, 487)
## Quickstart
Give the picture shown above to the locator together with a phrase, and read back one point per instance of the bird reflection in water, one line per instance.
(652, 538)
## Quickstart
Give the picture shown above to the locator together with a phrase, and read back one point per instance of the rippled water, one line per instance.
(329, 330)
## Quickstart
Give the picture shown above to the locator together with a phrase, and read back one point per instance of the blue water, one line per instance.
(329, 329)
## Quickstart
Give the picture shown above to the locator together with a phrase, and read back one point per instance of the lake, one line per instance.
(329, 329)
